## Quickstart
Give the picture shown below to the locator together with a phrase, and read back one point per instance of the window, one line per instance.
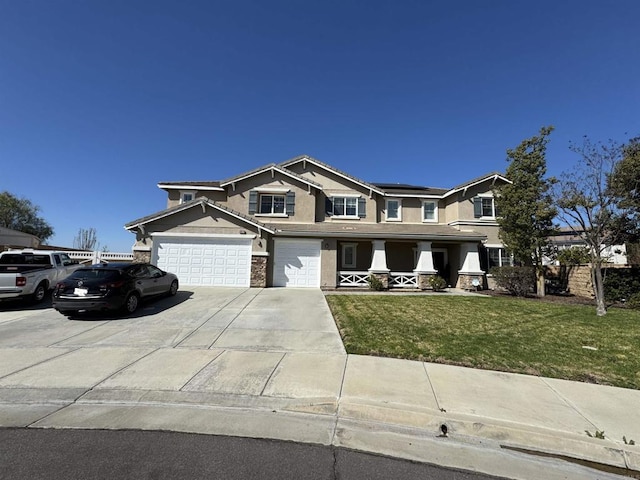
(346, 207)
(393, 210)
(279, 204)
(349, 255)
(484, 207)
(187, 196)
(271, 204)
(498, 257)
(429, 211)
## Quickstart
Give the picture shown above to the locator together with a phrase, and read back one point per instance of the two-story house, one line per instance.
(303, 223)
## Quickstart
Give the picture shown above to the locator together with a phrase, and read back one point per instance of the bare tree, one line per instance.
(86, 239)
(587, 205)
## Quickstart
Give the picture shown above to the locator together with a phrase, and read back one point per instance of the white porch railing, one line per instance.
(353, 279)
(359, 279)
(403, 280)
(100, 257)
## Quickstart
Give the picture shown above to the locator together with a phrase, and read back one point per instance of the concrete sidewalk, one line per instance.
(102, 375)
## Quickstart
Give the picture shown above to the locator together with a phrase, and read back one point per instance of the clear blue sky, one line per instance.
(101, 100)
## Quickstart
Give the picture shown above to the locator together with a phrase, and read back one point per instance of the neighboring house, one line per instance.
(303, 223)
(14, 239)
(568, 237)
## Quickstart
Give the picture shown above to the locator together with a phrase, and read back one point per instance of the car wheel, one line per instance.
(131, 303)
(173, 289)
(39, 293)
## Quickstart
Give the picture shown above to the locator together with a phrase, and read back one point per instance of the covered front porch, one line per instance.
(408, 264)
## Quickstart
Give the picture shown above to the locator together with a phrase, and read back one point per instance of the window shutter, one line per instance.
(477, 207)
(362, 207)
(291, 202)
(328, 206)
(253, 202)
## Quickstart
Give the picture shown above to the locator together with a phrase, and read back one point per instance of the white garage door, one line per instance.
(296, 263)
(204, 260)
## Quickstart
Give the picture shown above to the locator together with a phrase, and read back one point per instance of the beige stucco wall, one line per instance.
(411, 210)
(459, 206)
(335, 185)
(173, 196)
(328, 263)
(491, 231)
(305, 203)
(194, 221)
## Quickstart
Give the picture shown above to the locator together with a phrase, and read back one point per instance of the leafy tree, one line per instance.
(526, 206)
(587, 204)
(22, 215)
(86, 239)
(624, 185)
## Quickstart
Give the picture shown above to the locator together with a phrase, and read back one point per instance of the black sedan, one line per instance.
(114, 286)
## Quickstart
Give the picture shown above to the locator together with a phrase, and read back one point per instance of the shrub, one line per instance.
(437, 283)
(574, 256)
(375, 283)
(517, 281)
(634, 301)
(621, 283)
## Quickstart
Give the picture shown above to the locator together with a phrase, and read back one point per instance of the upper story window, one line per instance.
(346, 207)
(271, 204)
(429, 211)
(187, 195)
(393, 209)
(484, 207)
(277, 204)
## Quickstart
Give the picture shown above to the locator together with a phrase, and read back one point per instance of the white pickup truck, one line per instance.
(31, 273)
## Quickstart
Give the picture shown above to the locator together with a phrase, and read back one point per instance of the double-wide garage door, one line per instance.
(296, 263)
(209, 261)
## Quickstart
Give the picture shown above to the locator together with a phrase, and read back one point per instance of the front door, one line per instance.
(440, 263)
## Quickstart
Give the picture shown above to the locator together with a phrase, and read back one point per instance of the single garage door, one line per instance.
(209, 261)
(296, 263)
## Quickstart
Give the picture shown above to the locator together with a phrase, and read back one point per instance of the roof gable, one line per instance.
(272, 167)
(493, 177)
(335, 171)
(203, 202)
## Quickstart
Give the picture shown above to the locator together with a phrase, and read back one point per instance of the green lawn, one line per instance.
(496, 333)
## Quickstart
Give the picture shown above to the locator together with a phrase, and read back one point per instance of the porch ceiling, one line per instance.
(375, 231)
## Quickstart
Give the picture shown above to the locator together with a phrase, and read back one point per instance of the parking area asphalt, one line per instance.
(269, 363)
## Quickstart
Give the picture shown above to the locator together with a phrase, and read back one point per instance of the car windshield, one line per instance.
(94, 274)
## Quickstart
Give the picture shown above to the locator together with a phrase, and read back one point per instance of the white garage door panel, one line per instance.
(296, 263)
(205, 261)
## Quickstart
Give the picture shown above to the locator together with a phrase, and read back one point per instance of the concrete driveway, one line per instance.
(270, 364)
(270, 343)
(269, 320)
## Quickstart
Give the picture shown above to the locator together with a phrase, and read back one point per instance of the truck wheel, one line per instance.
(39, 293)
(131, 303)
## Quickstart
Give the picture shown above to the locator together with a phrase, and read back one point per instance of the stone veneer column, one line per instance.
(379, 262)
(470, 270)
(424, 268)
(258, 271)
(141, 255)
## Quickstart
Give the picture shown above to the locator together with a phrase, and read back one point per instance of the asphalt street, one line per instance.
(102, 454)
